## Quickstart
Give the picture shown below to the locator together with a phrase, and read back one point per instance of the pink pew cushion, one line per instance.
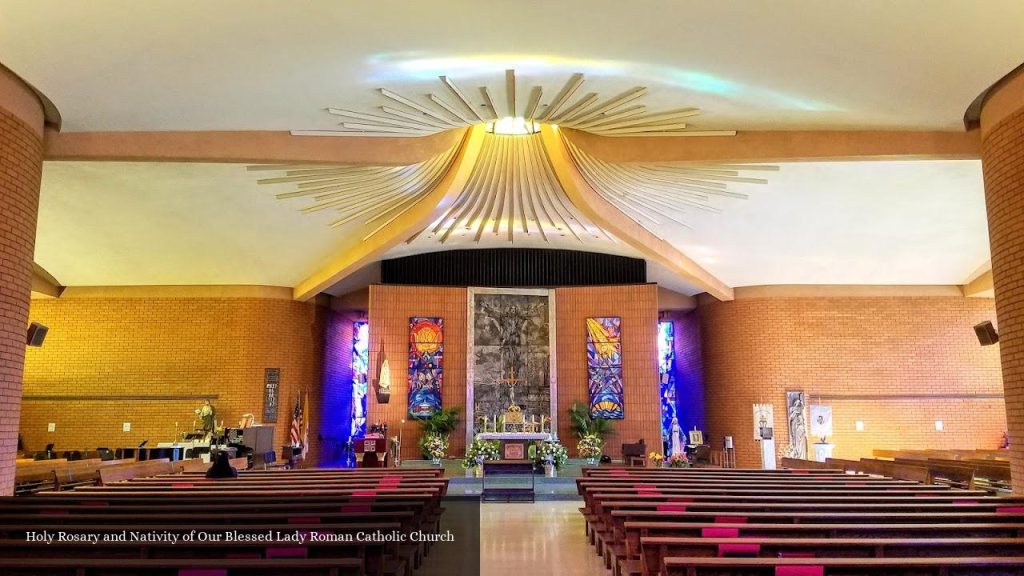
(364, 492)
(730, 519)
(54, 512)
(1012, 510)
(287, 552)
(671, 508)
(647, 493)
(720, 532)
(645, 486)
(799, 571)
(738, 550)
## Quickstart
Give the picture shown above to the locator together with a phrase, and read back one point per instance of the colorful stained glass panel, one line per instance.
(667, 379)
(360, 365)
(604, 367)
(426, 356)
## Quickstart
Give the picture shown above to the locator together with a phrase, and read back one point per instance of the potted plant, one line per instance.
(436, 447)
(582, 423)
(655, 459)
(678, 460)
(553, 456)
(590, 447)
(441, 423)
(477, 453)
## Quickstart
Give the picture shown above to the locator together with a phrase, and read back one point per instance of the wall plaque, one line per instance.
(271, 382)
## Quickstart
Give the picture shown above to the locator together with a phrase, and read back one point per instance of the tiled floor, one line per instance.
(541, 539)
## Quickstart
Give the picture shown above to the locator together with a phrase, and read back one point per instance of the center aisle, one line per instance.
(539, 538)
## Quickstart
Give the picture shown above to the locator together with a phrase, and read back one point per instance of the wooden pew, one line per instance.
(980, 566)
(121, 472)
(655, 549)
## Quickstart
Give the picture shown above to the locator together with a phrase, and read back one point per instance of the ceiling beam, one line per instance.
(980, 282)
(44, 283)
(252, 147)
(256, 147)
(610, 218)
(360, 252)
(783, 146)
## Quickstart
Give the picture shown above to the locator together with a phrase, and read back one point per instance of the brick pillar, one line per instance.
(1002, 133)
(21, 161)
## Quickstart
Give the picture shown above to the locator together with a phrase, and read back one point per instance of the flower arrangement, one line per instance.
(435, 446)
(590, 446)
(552, 453)
(678, 461)
(479, 451)
(655, 459)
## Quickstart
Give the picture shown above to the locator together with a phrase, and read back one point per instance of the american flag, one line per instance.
(295, 436)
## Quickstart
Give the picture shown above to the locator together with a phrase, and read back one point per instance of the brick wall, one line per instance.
(20, 170)
(390, 310)
(862, 349)
(637, 305)
(1003, 164)
(392, 306)
(336, 393)
(169, 347)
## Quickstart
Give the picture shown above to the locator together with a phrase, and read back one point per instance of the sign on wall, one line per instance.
(821, 420)
(764, 418)
(271, 384)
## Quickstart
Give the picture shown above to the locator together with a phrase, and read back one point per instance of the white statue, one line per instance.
(677, 435)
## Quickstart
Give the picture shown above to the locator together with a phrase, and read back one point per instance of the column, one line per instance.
(21, 161)
(1002, 133)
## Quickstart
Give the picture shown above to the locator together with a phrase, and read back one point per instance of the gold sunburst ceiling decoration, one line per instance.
(619, 115)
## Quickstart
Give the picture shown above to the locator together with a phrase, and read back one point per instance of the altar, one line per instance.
(514, 445)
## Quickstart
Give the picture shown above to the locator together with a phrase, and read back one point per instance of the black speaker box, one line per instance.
(987, 334)
(36, 334)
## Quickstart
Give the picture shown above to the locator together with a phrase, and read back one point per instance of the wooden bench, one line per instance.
(980, 566)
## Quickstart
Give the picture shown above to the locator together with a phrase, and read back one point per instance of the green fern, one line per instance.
(583, 424)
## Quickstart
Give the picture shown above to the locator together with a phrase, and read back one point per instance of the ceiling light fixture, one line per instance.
(513, 126)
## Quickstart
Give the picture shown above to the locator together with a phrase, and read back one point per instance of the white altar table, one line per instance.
(514, 436)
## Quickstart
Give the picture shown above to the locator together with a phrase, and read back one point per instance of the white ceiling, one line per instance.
(900, 222)
(244, 64)
(892, 222)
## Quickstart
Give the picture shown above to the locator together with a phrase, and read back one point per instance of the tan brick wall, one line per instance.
(169, 347)
(20, 171)
(860, 349)
(392, 306)
(637, 305)
(390, 310)
(1003, 165)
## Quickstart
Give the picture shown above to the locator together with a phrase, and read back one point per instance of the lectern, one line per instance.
(371, 452)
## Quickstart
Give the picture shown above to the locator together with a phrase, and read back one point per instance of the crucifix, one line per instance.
(511, 381)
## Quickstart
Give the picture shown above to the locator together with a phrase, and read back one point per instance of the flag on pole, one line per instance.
(305, 426)
(296, 430)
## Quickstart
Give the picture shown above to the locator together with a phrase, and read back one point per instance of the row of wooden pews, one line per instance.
(795, 522)
(327, 508)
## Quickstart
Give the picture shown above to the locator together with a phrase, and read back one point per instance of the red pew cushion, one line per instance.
(738, 550)
(730, 519)
(720, 532)
(287, 552)
(799, 571)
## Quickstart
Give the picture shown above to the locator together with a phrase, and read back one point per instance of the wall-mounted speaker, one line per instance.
(36, 334)
(987, 334)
